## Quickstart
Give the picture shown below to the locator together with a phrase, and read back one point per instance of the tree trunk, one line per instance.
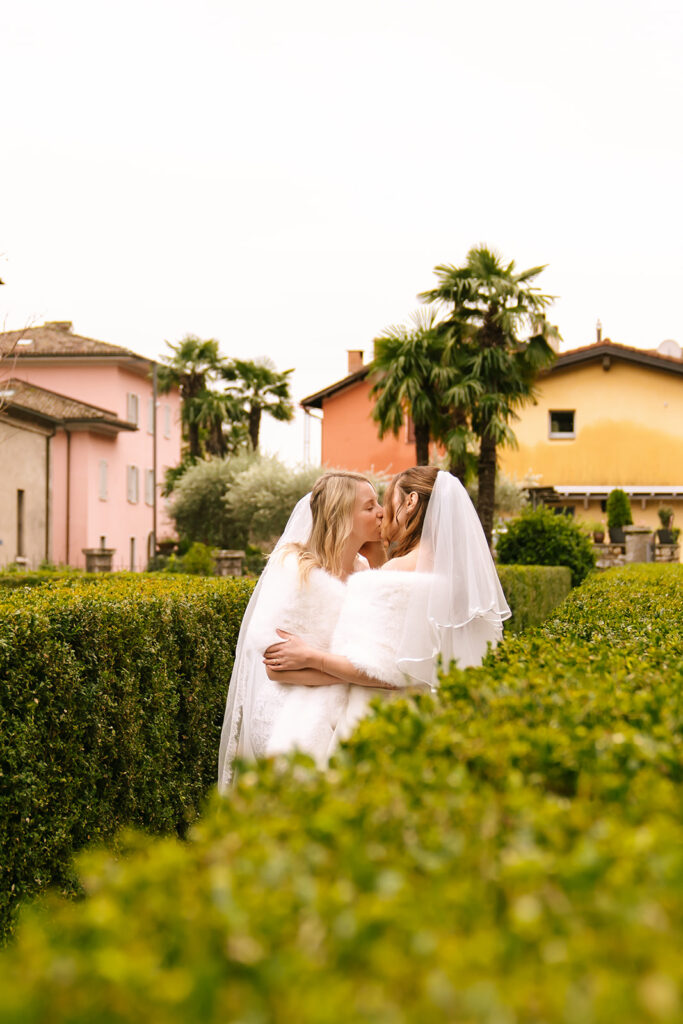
(487, 483)
(422, 444)
(215, 444)
(457, 469)
(254, 426)
(193, 438)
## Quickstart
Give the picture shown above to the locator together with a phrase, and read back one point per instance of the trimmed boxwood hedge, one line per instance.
(533, 592)
(111, 703)
(509, 852)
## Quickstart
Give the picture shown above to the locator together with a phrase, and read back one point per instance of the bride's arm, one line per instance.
(294, 654)
(301, 677)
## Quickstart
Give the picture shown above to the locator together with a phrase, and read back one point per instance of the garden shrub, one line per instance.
(111, 704)
(533, 592)
(539, 537)
(507, 852)
(618, 509)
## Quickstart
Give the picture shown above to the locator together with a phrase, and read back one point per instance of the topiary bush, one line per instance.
(618, 509)
(533, 592)
(111, 704)
(508, 851)
(539, 537)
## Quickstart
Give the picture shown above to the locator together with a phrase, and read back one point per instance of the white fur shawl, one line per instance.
(372, 620)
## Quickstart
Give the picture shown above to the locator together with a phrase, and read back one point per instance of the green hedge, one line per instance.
(510, 852)
(533, 592)
(111, 703)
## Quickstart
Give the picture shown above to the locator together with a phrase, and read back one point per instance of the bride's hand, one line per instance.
(292, 653)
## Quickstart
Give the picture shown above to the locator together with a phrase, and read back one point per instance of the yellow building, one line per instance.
(606, 416)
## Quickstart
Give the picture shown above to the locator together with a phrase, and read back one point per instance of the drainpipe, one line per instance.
(68, 492)
(155, 393)
(48, 493)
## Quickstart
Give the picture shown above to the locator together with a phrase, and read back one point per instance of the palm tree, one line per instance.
(409, 378)
(192, 366)
(496, 333)
(259, 388)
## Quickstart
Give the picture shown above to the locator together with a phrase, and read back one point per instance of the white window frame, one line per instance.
(559, 435)
(133, 408)
(133, 484)
(103, 481)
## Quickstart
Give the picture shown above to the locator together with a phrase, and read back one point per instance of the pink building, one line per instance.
(102, 479)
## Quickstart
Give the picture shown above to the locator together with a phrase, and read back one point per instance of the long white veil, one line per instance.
(466, 606)
(248, 667)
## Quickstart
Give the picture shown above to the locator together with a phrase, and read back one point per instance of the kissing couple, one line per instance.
(324, 633)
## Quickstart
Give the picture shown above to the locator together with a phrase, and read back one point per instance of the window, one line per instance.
(102, 492)
(133, 483)
(149, 487)
(133, 409)
(132, 554)
(150, 416)
(561, 423)
(167, 421)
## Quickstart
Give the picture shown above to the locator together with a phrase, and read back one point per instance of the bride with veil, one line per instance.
(302, 589)
(341, 643)
(438, 599)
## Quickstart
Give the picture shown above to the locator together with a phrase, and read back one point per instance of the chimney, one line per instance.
(355, 359)
(598, 332)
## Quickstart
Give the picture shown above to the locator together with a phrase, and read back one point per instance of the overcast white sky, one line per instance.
(283, 176)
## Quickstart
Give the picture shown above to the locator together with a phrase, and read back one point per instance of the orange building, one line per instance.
(606, 415)
(349, 434)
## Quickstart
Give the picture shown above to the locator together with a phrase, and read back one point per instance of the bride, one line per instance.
(438, 597)
(301, 589)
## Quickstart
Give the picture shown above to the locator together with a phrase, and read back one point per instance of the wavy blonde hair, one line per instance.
(420, 480)
(333, 500)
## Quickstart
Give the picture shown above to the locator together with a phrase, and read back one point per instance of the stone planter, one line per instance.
(639, 544)
(98, 559)
(228, 563)
(617, 535)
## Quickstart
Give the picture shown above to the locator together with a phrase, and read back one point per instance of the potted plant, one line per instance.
(596, 529)
(666, 534)
(618, 515)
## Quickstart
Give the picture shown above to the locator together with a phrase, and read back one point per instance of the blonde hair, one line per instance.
(419, 480)
(333, 500)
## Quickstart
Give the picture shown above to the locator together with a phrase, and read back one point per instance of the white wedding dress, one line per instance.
(264, 717)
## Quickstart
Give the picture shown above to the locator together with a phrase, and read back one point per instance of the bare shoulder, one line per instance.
(404, 563)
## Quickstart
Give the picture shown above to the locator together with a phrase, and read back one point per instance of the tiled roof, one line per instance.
(22, 396)
(598, 350)
(57, 339)
(607, 349)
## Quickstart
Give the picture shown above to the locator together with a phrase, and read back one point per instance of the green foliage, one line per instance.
(533, 592)
(410, 378)
(38, 577)
(539, 537)
(618, 509)
(198, 561)
(496, 339)
(198, 507)
(111, 702)
(510, 499)
(508, 851)
(666, 514)
(228, 503)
